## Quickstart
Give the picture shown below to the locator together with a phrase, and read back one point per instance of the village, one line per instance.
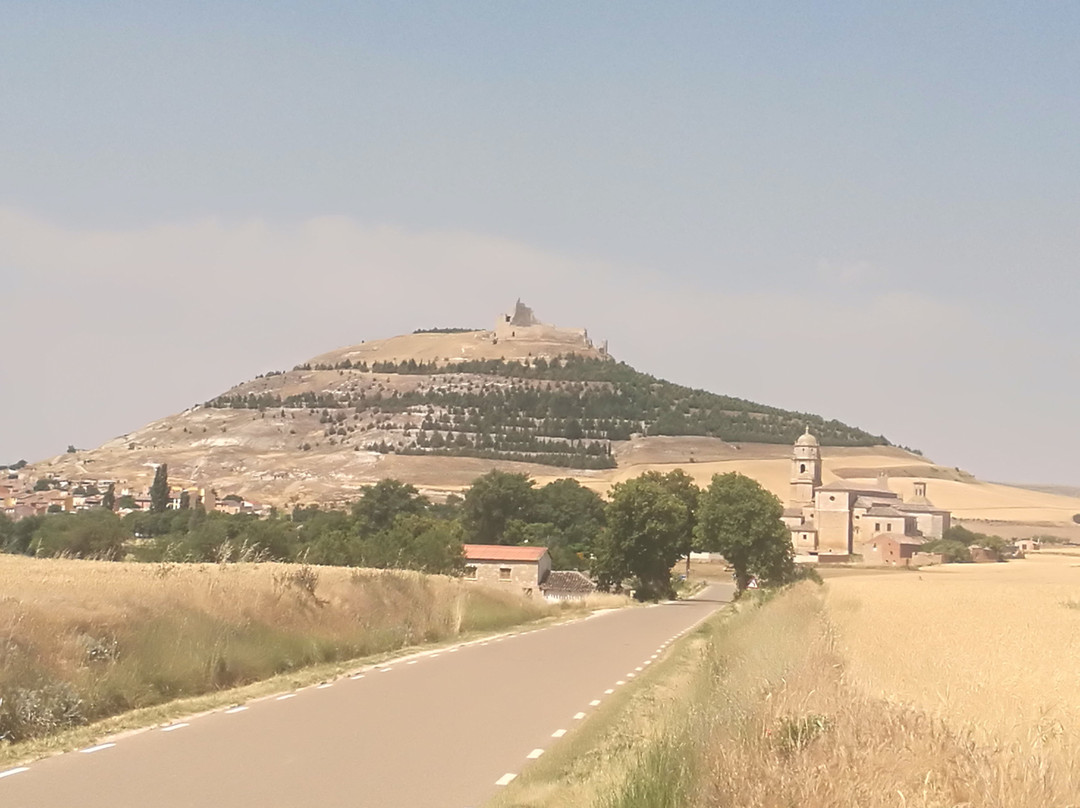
(22, 496)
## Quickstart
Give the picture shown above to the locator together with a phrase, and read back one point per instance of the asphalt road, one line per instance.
(442, 729)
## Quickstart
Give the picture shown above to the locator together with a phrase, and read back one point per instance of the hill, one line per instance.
(438, 408)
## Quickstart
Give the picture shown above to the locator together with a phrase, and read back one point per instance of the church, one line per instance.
(844, 518)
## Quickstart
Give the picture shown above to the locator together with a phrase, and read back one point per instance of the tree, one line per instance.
(159, 490)
(126, 502)
(742, 521)
(417, 542)
(645, 524)
(95, 533)
(382, 503)
(574, 517)
(682, 485)
(108, 499)
(492, 501)
(42, 484)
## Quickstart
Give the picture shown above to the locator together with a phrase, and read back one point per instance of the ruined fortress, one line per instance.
(522, 324)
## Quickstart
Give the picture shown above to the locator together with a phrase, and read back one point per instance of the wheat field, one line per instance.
(994, 648)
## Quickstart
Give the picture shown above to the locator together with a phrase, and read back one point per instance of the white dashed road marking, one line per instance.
(505, 779)
(385, 670)
(558, 733)
(10, 772)
(534, 754)
(97, 748)
(578, 716)
(357, 676)
(412, 661)
(594, 703)
(238, 709)
(639, 669)
(609, 691)
(621, 682)
(173, 727)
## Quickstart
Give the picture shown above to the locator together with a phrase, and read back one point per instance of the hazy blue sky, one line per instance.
(864, 212)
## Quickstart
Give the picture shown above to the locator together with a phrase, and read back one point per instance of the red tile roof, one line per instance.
(501, 552)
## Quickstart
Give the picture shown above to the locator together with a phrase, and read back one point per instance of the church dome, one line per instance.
(806, 439)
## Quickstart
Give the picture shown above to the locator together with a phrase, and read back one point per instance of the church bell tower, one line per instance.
(805, 469)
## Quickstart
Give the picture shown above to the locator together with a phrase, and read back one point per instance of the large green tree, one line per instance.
(493, 501)
(742, 521)
(682, 486)
(643, 538)
(382, 503)
(159, 490)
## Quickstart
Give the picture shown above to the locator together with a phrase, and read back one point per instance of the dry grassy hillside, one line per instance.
(305, 452)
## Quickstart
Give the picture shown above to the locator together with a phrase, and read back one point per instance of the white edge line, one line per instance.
(98, 748)
(286, 696)
(609, 691)
(594, 703)
(505, 779)
(534, 754)
(357, 676)
(558, 733)
(238, 709)
(325, 685)
(172, 727)
(579, 716)
(18, 770)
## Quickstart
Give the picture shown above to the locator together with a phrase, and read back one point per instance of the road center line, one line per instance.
(173, 727)
(534, 754)
(505, 779)
(10, 772)
(97, 748)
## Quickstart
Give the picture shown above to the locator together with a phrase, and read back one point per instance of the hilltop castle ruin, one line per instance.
(522, 324)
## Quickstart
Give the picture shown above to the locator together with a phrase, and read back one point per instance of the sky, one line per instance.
(867, 212)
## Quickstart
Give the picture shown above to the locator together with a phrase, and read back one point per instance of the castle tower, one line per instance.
(805, 469)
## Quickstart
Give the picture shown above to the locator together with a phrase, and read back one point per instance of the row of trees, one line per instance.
(631, 541)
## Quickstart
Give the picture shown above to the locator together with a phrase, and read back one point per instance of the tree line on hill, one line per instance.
(631, 541)
(563, 412)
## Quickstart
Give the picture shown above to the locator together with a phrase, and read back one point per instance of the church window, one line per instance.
(802, 468)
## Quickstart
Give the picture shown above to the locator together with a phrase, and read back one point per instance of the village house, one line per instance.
(519, 569)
